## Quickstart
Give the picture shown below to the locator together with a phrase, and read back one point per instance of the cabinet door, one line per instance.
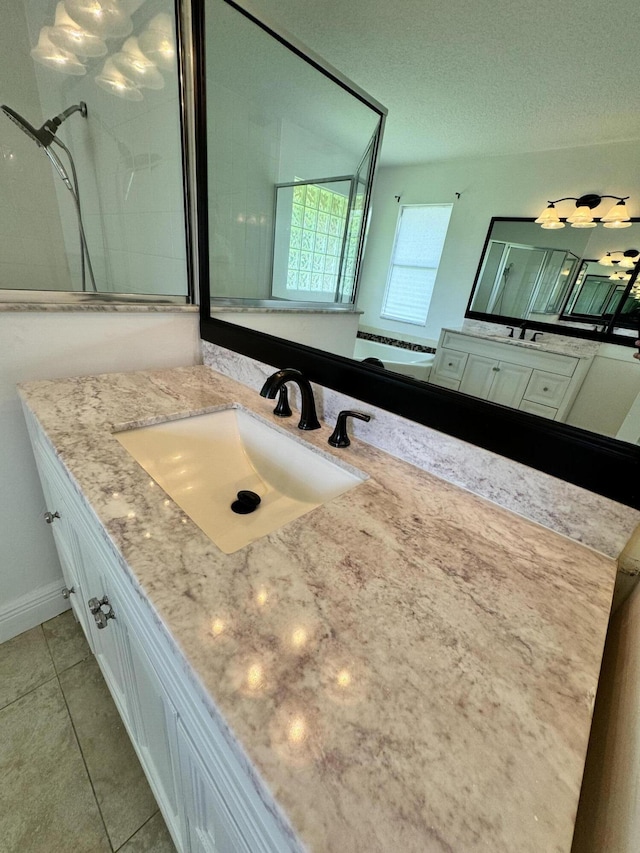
(478, 376)
(157, 740)
(209, 825)
(111, 641)
(509, 383)
(63, 528)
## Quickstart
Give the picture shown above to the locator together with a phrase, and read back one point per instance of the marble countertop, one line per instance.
(409, 667)
(546, 341)
(121, 307)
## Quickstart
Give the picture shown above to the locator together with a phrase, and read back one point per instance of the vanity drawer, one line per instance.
(451, 364)
(538, 409)
(545, 388)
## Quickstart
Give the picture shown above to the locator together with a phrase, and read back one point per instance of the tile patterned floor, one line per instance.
(69, 778)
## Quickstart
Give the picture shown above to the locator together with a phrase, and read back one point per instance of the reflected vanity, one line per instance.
(262, 225)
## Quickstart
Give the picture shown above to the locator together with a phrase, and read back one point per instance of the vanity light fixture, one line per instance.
(157, 41)
(104, 18)
(137, 67)
(112, 80)
(622, 260)
(52, 56)
(582, 217)
(70, 36)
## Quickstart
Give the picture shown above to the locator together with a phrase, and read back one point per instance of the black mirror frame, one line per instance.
(603, 465)
(606, 336)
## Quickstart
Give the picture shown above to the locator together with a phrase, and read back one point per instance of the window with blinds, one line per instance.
(420, 236)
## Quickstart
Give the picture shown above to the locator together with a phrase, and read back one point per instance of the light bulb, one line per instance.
(114, 81)
(70, 36)
(104, 18)
(47, 54)
(157, 41)
(582, 218)
(137, 67)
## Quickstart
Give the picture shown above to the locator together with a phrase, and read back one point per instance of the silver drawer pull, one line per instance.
(102, 618)
(95, 604)
(50, 517)
(66, 592)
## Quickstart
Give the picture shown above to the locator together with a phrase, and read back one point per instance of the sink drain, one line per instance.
(246, 502)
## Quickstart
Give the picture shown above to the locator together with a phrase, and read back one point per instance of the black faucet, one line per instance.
(523, 329)
(308, 417)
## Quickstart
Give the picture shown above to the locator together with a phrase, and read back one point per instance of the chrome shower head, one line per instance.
(44, 136)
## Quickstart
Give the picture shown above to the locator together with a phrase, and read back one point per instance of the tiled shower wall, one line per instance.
(129, 162)
(31, 243)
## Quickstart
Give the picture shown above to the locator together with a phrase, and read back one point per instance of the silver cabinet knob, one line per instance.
(496, 369)
(101, 616)
(50, 517)
(66, 592)
(95, 604)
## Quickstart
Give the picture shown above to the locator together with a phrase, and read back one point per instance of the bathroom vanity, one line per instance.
(535, 376)
(405, 667)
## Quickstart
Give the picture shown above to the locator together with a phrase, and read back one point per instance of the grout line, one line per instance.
(138, 830)
(22, 695)
(86, 767)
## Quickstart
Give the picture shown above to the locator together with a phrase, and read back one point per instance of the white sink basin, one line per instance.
(203, 461)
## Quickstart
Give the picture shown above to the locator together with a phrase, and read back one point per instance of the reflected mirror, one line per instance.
(572, 278)
(291, 151)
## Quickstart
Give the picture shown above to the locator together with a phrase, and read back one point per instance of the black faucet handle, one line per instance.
(339, 437)
(534, 336)
(510, 335)
(283, 409)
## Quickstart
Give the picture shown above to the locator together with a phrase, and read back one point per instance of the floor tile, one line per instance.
(124, 797)
(66, 641)
(46, 801)
(153, 837)
(25, 663)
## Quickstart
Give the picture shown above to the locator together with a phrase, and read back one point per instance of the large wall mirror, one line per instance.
(291, 152)
(564, 407)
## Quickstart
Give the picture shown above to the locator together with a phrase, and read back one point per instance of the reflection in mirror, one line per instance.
(291, 153)
(595, 294)
(571, 278)
(92, 201)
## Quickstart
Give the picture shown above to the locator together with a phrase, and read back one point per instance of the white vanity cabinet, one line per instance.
(533, 380)
(206, 796)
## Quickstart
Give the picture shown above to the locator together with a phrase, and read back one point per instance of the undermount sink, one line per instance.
(203, 461)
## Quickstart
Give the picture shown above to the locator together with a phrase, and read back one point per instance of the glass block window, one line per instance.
(317, 226)
(420, 236)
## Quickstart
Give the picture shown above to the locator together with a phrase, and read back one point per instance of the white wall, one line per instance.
(516, 185)
(47, 345)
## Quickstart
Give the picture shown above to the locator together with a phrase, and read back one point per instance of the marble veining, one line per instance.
(592, 519)
(407, 667)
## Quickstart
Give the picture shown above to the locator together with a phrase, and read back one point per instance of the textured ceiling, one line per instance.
(480, 77)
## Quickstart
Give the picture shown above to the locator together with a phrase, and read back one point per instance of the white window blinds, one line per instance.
(420, 236)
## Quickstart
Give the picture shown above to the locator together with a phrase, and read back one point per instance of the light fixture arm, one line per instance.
(590, 200)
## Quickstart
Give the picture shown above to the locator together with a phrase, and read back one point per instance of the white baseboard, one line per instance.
(31, 609)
